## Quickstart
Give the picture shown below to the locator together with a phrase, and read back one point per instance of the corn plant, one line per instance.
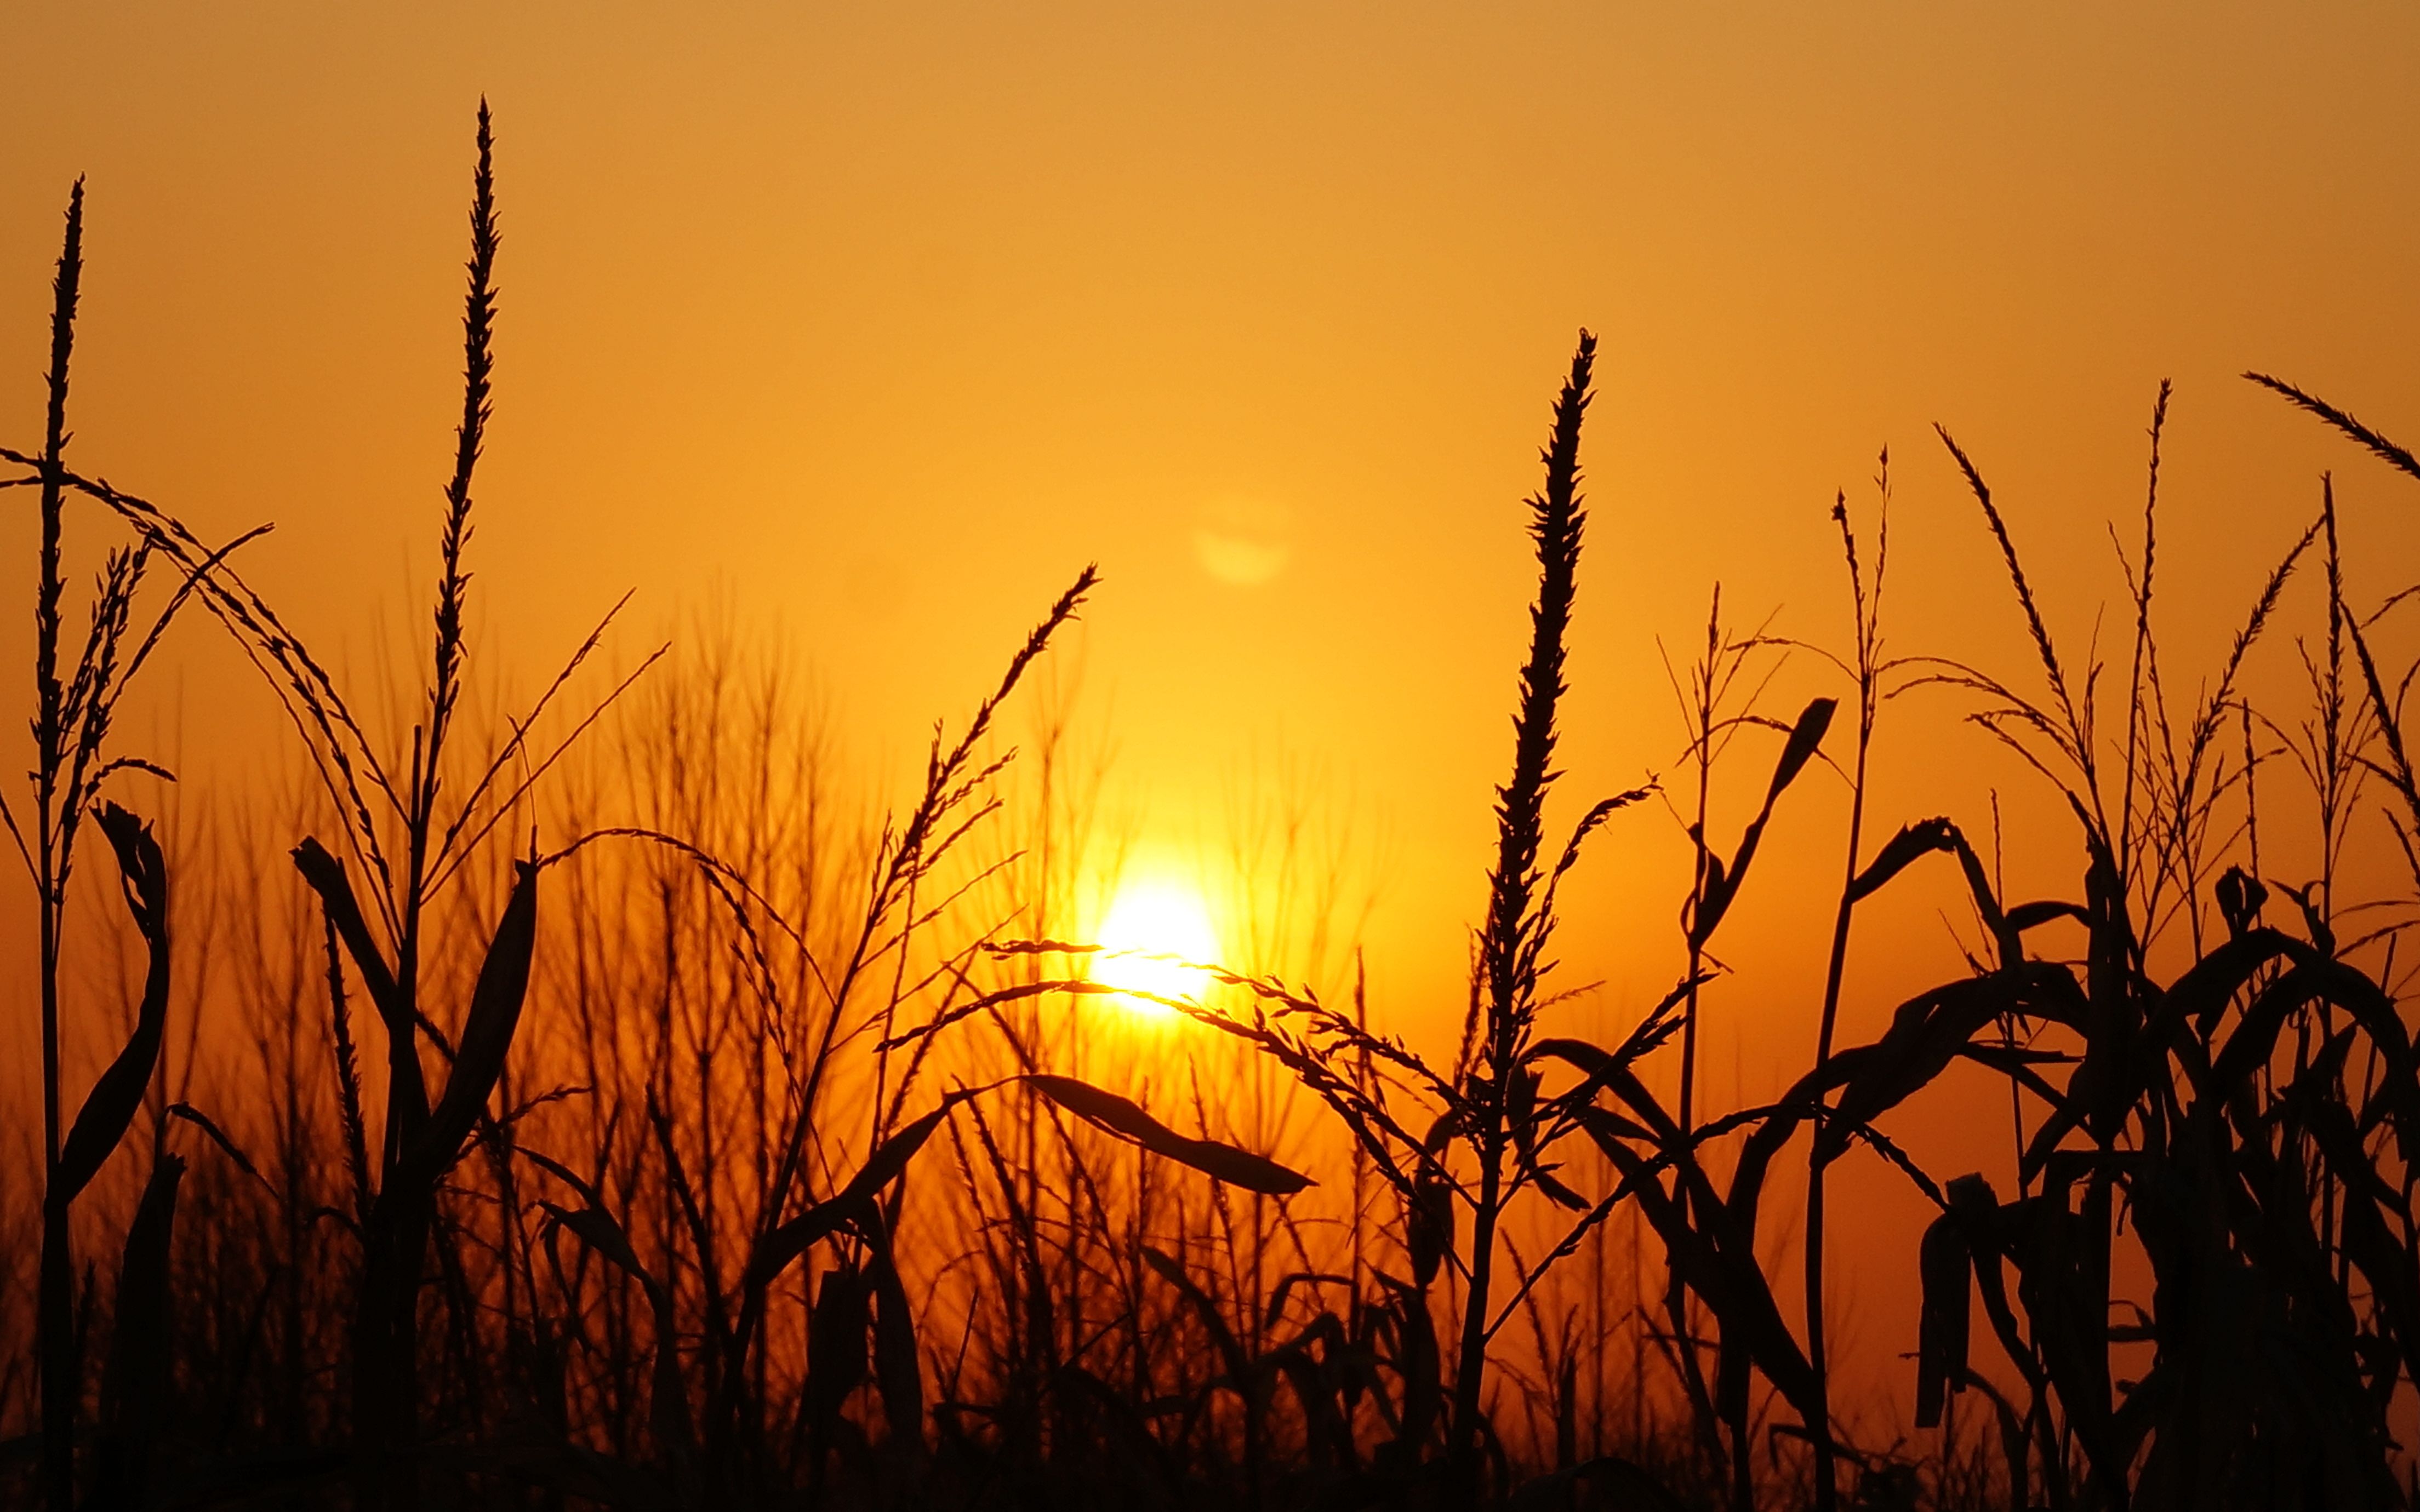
(75, 702)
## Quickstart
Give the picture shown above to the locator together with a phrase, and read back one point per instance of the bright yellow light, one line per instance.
(1155, 919)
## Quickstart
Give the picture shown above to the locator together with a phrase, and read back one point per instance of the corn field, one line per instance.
(615, 1111)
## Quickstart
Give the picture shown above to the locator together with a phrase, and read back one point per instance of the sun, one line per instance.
(1156, 919)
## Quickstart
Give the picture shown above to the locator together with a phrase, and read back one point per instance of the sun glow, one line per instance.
(1149, 923)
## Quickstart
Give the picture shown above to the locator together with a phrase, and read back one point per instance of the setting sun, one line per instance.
(1152, 934)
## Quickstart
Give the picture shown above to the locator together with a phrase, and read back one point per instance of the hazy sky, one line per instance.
(882, 320)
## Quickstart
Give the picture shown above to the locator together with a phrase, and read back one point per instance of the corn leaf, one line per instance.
(138, 1384)
(110, 1106)
(1941, 1333)
(789, 1240)
(1125, 1118)
(487, 1032)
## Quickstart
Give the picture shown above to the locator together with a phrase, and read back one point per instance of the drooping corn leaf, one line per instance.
(1231, 1351)
(898, 1370)
(1125, 1118)
(1941, 1332)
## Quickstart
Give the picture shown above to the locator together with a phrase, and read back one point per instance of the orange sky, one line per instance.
(883, 320)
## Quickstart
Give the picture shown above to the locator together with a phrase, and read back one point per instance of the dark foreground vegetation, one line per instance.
(709, 1159)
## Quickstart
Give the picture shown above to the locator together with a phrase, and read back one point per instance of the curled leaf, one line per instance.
(1904, 850)
(1806, 739)
(2241, 898)
(110, 1106)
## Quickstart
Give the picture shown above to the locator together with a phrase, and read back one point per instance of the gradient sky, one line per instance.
(880, 321)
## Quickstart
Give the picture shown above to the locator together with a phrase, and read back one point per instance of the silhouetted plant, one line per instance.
(717, 1065)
